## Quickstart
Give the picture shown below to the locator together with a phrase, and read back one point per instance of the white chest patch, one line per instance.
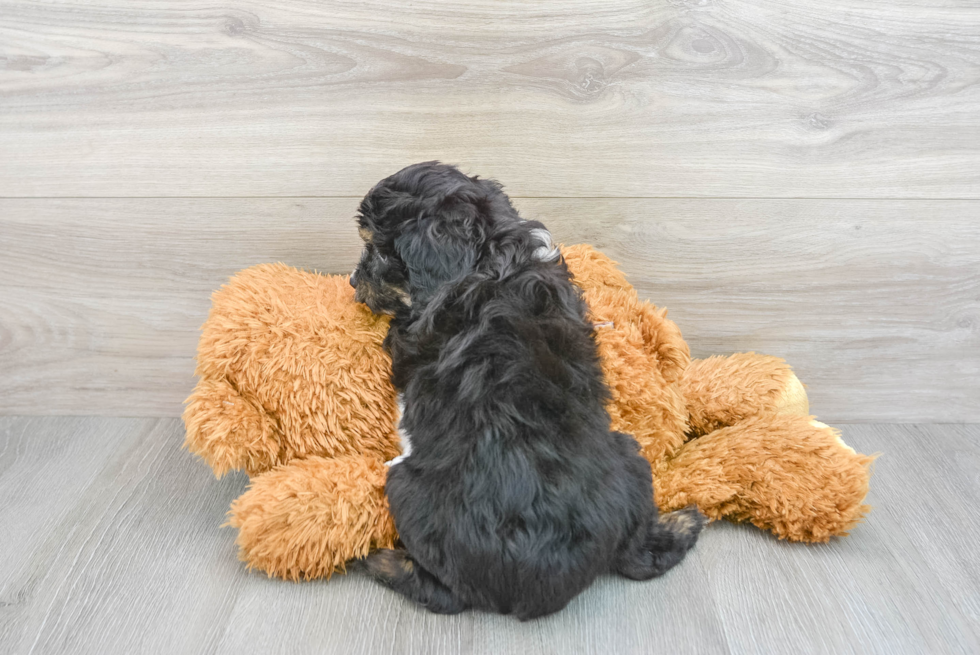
(403, 436)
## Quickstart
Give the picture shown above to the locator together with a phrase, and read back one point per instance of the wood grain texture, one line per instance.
(102, 546)
(910, 549)
(739, 98)
(111, 544)
(877, 308)
(103, 299)
(876, 304)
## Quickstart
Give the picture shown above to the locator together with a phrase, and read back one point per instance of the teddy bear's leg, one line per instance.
(721, 391)
(307, 518)
(782, 472)
(228, 431)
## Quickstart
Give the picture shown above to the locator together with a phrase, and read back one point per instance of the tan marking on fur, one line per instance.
(391, 564)
(678, 521)
(365, 233)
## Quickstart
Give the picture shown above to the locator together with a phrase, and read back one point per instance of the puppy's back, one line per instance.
(516, 494)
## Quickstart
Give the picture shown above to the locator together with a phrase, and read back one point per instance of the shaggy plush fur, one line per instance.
(309, 518)
(643, 355)
(767, 385)
(767, 463)
(745, 472)
(516, 494)
(300, 347)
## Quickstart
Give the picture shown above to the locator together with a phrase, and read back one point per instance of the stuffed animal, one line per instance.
(294, 389)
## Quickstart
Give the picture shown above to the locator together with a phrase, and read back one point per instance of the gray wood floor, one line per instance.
(110, 543)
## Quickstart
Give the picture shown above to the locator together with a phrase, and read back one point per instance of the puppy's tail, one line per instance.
(395, 569)
(668, 538)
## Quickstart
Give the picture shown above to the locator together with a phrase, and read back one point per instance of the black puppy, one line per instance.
(512, 494)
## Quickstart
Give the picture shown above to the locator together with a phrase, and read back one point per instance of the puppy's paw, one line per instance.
(684, 524)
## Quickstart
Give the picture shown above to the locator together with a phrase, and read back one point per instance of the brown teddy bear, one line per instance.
(294, 389)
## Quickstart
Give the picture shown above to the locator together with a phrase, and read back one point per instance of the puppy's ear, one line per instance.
(441, 246)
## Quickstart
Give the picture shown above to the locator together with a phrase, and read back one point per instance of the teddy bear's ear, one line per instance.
(663, 339)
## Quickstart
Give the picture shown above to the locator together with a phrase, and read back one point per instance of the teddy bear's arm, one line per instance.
(722, 391)
(663, 339)
(227, 431)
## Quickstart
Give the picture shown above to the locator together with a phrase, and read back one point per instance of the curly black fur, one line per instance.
(515, 494)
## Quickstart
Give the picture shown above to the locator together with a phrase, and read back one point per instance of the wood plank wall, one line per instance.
(801, 179)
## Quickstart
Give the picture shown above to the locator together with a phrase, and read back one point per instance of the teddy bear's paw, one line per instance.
(227, 431)
(306, 519)
(791, 398)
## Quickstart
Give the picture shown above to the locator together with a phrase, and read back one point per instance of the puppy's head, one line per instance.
(423, 227)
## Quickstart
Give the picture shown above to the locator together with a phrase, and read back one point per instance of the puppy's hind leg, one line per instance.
(395, 569)
(664, 542)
